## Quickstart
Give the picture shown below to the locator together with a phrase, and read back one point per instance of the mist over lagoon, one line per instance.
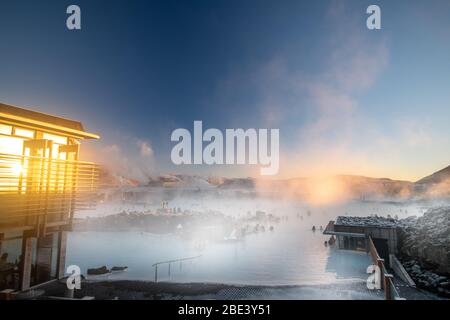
(291, 254)
(225, 149)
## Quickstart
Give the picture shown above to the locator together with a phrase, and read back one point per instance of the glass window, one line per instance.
(55, 138)
(11, 145)
(55, 151)
(5, 129)
(10, 254)
(24, 133)
(56, 154)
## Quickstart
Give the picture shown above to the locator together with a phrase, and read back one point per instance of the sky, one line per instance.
(347, 100)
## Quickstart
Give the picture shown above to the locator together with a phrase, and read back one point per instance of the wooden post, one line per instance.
(44, 258)
(388, 278)
(156, 273)
(25, 263)
(47, 189)
(61, 264)
(380, 264)
(2, 236)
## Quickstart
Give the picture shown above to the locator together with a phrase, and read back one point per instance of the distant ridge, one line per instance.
(434, 186)
(437, 177)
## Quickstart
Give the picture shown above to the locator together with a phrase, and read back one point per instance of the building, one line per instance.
(42, 184)
(352, 233)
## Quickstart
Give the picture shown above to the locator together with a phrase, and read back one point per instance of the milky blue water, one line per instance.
(291, 255)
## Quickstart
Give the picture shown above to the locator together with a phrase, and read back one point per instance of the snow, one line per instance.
(371, 221)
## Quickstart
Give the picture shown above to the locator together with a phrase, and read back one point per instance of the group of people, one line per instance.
(330, 242)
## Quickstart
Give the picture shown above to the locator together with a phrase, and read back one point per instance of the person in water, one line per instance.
(314, 228)
(332, 240)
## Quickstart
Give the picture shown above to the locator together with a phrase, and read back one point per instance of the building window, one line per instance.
(5, 129)
(55, 138)
(24, 133)
(10, 255)
(55, 151)
(361, 244)
(11, 145)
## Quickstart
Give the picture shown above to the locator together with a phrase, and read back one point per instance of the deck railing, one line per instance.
(169, 262)
(386, 280)
(36, 189)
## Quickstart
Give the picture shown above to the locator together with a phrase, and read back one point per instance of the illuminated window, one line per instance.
(55, 138)
(24, 133)
(56, 154)
(11, 145)
(63, 156)
(5, 129)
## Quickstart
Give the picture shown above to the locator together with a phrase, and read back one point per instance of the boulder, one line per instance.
(98, 271)
(115, 268)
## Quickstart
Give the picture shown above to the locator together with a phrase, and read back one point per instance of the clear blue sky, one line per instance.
(346, 99)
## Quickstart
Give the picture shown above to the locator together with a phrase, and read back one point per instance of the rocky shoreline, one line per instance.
(428, 280)
(425, 250)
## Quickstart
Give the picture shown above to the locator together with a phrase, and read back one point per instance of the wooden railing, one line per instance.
(35, 189)
(386, 279)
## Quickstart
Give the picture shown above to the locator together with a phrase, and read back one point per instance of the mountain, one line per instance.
(237, 183)
(436, 185)
(113, 180)
(334, 187)
(437, 177)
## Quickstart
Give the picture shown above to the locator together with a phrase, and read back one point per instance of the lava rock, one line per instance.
(98, 271)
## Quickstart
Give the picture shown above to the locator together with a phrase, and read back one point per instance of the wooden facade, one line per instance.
(42, 184)
(356, 237)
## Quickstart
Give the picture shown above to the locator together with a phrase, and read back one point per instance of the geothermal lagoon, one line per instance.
(291, 254)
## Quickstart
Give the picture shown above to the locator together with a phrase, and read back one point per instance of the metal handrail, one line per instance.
(169, 262)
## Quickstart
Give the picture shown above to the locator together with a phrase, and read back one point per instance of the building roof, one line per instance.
(29, 118)
(372, 221)
(329, 230)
